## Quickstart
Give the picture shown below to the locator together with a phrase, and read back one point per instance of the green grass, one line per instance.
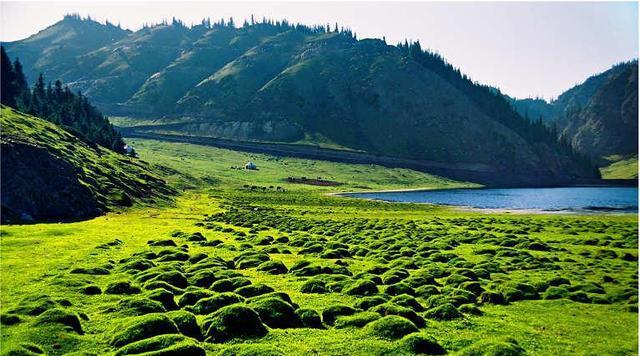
(507, 254)
(621, 168)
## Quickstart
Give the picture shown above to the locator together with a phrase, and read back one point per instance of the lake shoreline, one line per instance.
(517, 201)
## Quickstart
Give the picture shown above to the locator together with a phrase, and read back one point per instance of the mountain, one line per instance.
(598, 117)
(278, 82)
(49, 174)
(53, 51)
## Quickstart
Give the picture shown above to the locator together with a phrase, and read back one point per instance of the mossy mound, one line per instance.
(143, 328)
(407, 301)
(309, 318)
(174, 278)
(361, 288)
(253, 290)
(251, 350)
(230, 284)
(393, 309)
(193, 296)
(418, 343)
(91, 289)
(140, 306)
(164, 297)
(215, 302)
(25, 349)
(400, 288)
(470, 309)
(90, 270)
(314, 286)
(186, 322)
(9, 319)
(273, 267)
(491, 297)
(356, 320)
(234, 321)
(559, 292)
(391, 327)
(493, 348)
(367, 303)
(330, 314)
(35, 305)
(276, 313)
(444, 312)
(122, 287)
(58, 316)
(165, 345)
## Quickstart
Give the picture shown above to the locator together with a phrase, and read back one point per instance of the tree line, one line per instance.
(56, 103)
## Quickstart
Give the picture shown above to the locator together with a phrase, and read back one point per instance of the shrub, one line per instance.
(391, 327)
(144, 328)
(234, 321)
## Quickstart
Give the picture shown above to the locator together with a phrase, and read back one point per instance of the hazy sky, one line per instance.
(524, 48)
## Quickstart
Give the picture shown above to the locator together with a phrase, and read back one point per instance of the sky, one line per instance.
(527, 49)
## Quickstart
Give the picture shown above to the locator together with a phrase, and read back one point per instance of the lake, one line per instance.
(621, 199)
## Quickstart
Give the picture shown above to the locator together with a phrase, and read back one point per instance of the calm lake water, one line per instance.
(624, 199)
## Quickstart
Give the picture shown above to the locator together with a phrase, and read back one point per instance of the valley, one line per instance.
(333, 272)
(274, 188)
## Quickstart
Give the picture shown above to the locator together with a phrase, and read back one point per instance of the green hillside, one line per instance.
(50, 174)
(621, 168)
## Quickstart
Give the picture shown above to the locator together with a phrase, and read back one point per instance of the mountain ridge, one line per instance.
(279, 82)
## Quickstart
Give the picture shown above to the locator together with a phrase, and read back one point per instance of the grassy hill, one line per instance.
(50, 174)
